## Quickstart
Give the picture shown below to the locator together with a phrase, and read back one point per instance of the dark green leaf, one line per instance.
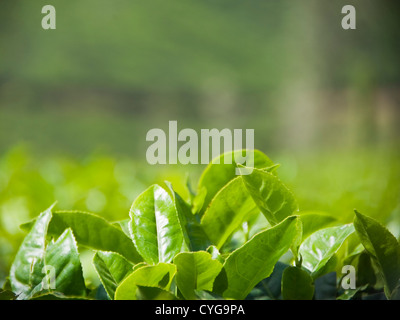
(297, 284)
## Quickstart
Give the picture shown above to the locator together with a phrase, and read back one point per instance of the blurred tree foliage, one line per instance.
(262, 64)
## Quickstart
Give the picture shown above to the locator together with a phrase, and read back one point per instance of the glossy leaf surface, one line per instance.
(112, 268)
(195, 271)
(255, 260)
(158, 276)
(271, 196)
(320, 247)
(216, 176)
(155, 226)
(228, 210)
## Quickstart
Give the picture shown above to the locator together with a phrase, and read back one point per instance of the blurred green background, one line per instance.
(76, 102)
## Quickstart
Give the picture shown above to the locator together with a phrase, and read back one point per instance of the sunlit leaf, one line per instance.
(158, 276)
(112, 268)
(195, 271)
(155, 226)
(255, 260)
(319, 248)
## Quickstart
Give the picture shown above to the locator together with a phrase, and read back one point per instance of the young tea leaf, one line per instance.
(158, 276)
(383, 249)
(195, 271)
(30, 257)
(231, 206)
(94, 232)
(112, 268)
(62, 256)
(217, 175)
(320, 247)
(314, 221)
(155, 227)
(271, 196)
(255, 260)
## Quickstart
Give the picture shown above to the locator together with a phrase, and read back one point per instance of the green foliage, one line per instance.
(320, 247)
(297, 284)
(155, 226)
(29, 271)
(246, 240)
(195, 271)
(255, 260)
(383, 248)
(112, 268)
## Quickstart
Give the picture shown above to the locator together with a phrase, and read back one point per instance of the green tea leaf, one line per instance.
(37, 263)
(216, 176)
(319, 248)
(94, 232)
(271, 196)
(255, 260)
(30, 256)
(112, 268)
(231, 206)
(297, 284)
(155, 226)
(63, 256)
(159, 276)
(383, 249)
(314, 221)
(195, 271)
(184, 215)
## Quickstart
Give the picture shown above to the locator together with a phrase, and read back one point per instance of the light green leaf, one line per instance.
(195, 271)
(152, 293)
(314, 221)
(271, 196)
(297, 284)
(215, 254)
(383, 249)
(30, 256)
(39, 268)
(63, 256)
(216, 176)
(184, 215)
(159, 276)
(319, 248)
(231, 206)
(255, 260)
(155, 227)
(90, 230)
(124, 225)
(112, 268)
